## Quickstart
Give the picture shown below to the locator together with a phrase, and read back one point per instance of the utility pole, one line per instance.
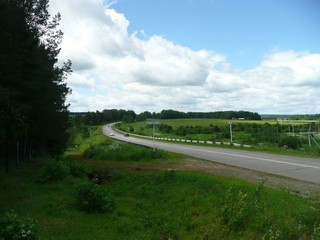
(154, 144)
(309, 135)
(230, 124)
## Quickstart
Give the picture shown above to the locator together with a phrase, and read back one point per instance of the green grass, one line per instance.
(157, 205)
(253, 139)
(80, 144)
(143, 129)
(194, 122)
(154, 204)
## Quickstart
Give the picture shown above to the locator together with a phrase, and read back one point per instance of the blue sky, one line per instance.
(244, 30)
(192, 55)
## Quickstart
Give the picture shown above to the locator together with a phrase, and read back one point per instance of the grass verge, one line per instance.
(119, 201)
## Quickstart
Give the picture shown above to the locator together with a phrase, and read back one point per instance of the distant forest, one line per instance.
(113, 115)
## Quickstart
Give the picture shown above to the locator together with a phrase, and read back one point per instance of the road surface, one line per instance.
(307, 169)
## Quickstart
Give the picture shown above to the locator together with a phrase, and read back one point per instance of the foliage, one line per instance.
(151, 204)
(290, 142)
(59, 169)
(241, 210)
(262, 135)
(128, 116)
(54, 171)
(172, 114)
(106, 116)
(90, 197)
(85, 132)
(113, 150)
(32, 87)
(11, 228)
(316, 233)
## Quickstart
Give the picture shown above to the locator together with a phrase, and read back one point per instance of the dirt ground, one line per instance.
(288, 184)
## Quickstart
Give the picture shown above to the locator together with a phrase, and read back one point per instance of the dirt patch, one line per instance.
(278, 182)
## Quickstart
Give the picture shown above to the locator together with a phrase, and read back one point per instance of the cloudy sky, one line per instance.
(192, 55)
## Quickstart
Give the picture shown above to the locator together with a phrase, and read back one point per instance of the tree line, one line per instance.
(172, 114)
(33, 114)
(113, 115)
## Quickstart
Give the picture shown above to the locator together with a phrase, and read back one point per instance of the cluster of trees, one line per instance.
(249, 133)
(185, 130)
(107, 116)
(172, 114)
(33, 112)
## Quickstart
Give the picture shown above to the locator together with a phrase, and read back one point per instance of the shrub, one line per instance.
(241, 210)
(316, 233)
(91, 197)
(76, 169)
(290, 142)
(123, 152)
(57, 170)
(235, 210)
(100, 176)
(54, 170)
(11, 228)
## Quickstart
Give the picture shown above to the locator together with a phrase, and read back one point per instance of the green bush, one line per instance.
(54, 170)
(11, 228)
(112, 150)
(316, 233)
(91, 197)
(76, 169)
(241, 210)
(57, 170)
(290, 142)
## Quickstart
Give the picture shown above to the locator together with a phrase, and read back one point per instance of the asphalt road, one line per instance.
(307, 169)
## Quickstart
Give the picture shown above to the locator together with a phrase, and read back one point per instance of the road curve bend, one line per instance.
(306, 169)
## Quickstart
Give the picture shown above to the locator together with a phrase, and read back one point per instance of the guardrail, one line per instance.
(187, 140)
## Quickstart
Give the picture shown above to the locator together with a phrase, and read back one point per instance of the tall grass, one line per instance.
(114, 150)
(161, 205)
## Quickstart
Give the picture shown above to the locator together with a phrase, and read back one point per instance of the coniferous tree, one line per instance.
(32, 87)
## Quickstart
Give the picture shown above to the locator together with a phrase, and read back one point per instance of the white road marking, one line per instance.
(258, 158)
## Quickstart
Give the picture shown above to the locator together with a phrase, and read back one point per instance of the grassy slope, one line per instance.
(153, 205)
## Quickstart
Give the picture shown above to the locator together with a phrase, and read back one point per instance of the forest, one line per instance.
(34, 116)
(114, 115)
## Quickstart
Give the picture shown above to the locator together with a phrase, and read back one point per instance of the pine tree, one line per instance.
(32, 87)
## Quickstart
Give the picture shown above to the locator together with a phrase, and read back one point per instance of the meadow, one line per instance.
(146, 199)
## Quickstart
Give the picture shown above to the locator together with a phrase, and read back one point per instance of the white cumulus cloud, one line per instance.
(115, 69)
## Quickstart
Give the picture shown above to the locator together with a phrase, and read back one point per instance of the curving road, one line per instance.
(307, 169)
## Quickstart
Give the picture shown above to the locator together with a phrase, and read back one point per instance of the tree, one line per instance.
(32, 87)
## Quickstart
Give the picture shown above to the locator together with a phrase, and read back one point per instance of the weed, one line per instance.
(316, 233)
(242, 209)
(11, 228)
(56, 170)
(111, 150)
(272, 234)
(91, 197)
(99, 176)
(235, 210)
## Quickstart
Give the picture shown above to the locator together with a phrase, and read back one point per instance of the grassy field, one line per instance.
(200, 122)
(262, 135)
(152, 204)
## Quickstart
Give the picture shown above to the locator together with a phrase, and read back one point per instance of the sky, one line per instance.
(192, 55)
